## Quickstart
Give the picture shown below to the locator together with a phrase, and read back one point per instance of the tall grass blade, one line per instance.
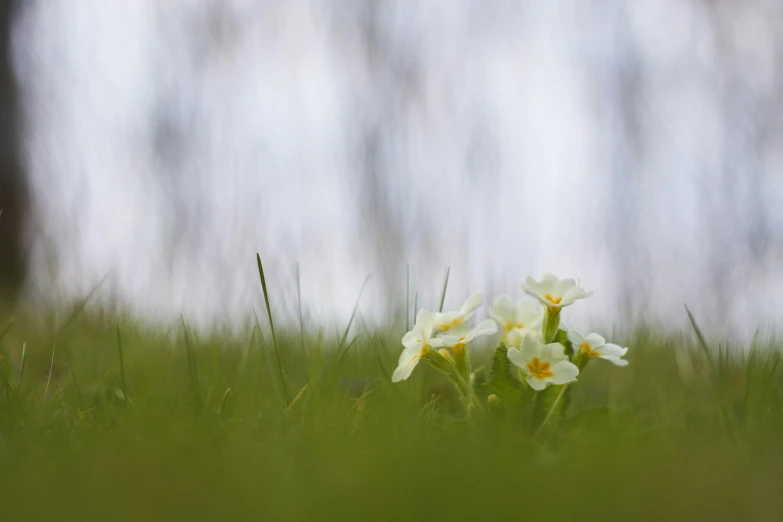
(272, 326)
(79, 308)
(22, 363)
(192, 369)
(299, 306)
(262, 344)
(353, 314)
(7, 327)
(122, 364)
(445, 287)
(408, 301)
(78, 388)
(702, 342)
(49, 379)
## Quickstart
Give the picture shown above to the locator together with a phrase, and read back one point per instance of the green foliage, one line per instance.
(501, 376)
(666, 438)
(562, 338)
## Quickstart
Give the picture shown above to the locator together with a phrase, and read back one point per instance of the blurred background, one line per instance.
(157, 146)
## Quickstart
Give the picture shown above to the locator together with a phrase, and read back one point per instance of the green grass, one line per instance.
(140, 425)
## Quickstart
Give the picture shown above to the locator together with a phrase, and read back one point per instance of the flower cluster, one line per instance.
(437, 330)
(544, 352)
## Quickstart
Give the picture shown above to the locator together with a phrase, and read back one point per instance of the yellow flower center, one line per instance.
(457, 349)
(509, 325)
(587, 350)
(539, 370)
(425, 349)
(553, 300)
(445, 326)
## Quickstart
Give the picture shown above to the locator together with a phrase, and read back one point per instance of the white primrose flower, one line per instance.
(417, 342)
(459, 336)
(524, 315)
(543, 364)
(595, 346)
(515, 337)
(555, 293)
(447, 320)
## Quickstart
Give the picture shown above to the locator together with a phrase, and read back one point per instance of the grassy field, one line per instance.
(105, 421)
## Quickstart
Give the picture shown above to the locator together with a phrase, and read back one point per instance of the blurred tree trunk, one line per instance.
(13, 192)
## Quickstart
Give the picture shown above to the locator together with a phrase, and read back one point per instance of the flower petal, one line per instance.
(473, 302)
(595, 340)
(503, 310)
(564, 372)
(536, 383)
(517, 358)
(485, 327)
(409, 353)
(614, 360)
(528, 313)
(612, 350)
(530, 347)
(424, 321)
(554, 352)
(404, 371)
(575, 338)
(448, 340)
(514, 338)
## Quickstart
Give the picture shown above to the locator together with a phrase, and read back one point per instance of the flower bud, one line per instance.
(446, 355)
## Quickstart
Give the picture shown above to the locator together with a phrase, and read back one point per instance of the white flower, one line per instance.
(543, 364)
(460, 335)
(515, 337)
(524, 315)
(447, 320)
(555, 293)
(417, 342)
(596, 346)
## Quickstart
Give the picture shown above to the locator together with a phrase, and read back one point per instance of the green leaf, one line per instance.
(501, 378)
(562, 338)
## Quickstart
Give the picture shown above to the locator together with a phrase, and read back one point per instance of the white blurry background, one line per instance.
(636, 145)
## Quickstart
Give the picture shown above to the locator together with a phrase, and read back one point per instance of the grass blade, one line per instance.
(78, 388)
(272, 326)
(445, 286)
(408, 301)
(353, 314)
(6, 327)
(49, 379)
(192, 369)
(262, 345)
(122, 365)
(22, 363)
(702, 342)
(299, 306)
(78, 309)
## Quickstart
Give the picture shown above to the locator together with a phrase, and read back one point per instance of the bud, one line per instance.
(493, 401)
(446, 355)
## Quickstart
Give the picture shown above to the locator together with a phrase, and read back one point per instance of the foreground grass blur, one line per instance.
(134, 425)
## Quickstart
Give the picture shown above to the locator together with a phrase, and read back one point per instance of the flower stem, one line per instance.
(466, 391)
(551, 411)
(551, 324)
(441, 364)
